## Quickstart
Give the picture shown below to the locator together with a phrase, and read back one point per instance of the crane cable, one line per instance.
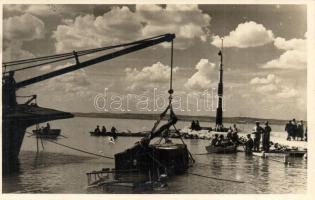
(66, 56)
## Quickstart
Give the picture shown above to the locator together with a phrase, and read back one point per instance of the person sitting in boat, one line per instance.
(266, 137)
(113, 132)
(97, 129)
(46, 128)
(215, 140)
(249, 144)
(258, 131)
(103, 130)
(224, 142)
(220, 140)
(229, 133)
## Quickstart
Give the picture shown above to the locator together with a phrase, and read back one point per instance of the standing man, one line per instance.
(288, 129)
(301, 130)
(294, 129)
(266, 137)
(258, 131)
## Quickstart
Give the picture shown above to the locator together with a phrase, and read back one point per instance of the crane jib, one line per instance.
(145, 44)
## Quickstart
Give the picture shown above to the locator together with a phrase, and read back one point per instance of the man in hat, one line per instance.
(266, 137)
(258, 131)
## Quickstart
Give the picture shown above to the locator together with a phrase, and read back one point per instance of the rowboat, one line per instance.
(221, 149)
(280, 154)
(265, 155)
(47, 133)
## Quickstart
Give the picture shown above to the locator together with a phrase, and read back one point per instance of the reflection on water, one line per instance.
(60, 170)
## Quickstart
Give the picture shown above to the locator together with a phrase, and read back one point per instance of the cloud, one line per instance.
(116, 26)
(201, 79)
(287, 92)
(25, 27)
(273, 87)
(248, 34)
(13, 50)
(271, 78)
(294, 57)
(120, 24)
(267, 88)
(74, 83)
(293, 44)
(47, 10)
(17, 30)
(45, 68)
(186, 21)
(148, 76)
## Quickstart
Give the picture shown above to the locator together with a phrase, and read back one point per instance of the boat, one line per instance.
(266, 155)
(280, 154)
(221, 149)
(47, 133)
(93, 133)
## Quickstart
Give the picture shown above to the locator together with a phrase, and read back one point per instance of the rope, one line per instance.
(198, 154)
(171, 77)
(180, 136)
(220, 179)
(83, 151)
(40, 64)
(70, 55)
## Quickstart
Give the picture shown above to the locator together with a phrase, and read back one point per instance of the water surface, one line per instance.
(60, 170)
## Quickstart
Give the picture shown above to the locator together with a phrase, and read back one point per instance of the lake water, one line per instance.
(60, 170)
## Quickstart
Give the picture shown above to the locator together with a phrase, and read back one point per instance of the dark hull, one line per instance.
(221, 150)
(14, 124)
(12, 137)
(51, 134)
(171, 159)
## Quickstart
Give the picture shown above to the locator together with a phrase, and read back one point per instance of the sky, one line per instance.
(264, 49)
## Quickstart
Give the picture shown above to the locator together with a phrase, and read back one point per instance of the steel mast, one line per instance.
(219, 115)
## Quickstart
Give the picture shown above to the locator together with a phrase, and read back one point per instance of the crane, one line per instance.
(17, 117)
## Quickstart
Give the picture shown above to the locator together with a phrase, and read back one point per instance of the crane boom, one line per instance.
(146, 43)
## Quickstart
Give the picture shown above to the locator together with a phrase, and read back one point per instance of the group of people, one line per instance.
(195, 125)
(231, 138)
(113, 131)
(261, 135)
(295, 130)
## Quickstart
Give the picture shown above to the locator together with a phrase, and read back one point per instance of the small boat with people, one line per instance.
(221, 149)
(47, 132)
(103, 132)
(222, 145)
